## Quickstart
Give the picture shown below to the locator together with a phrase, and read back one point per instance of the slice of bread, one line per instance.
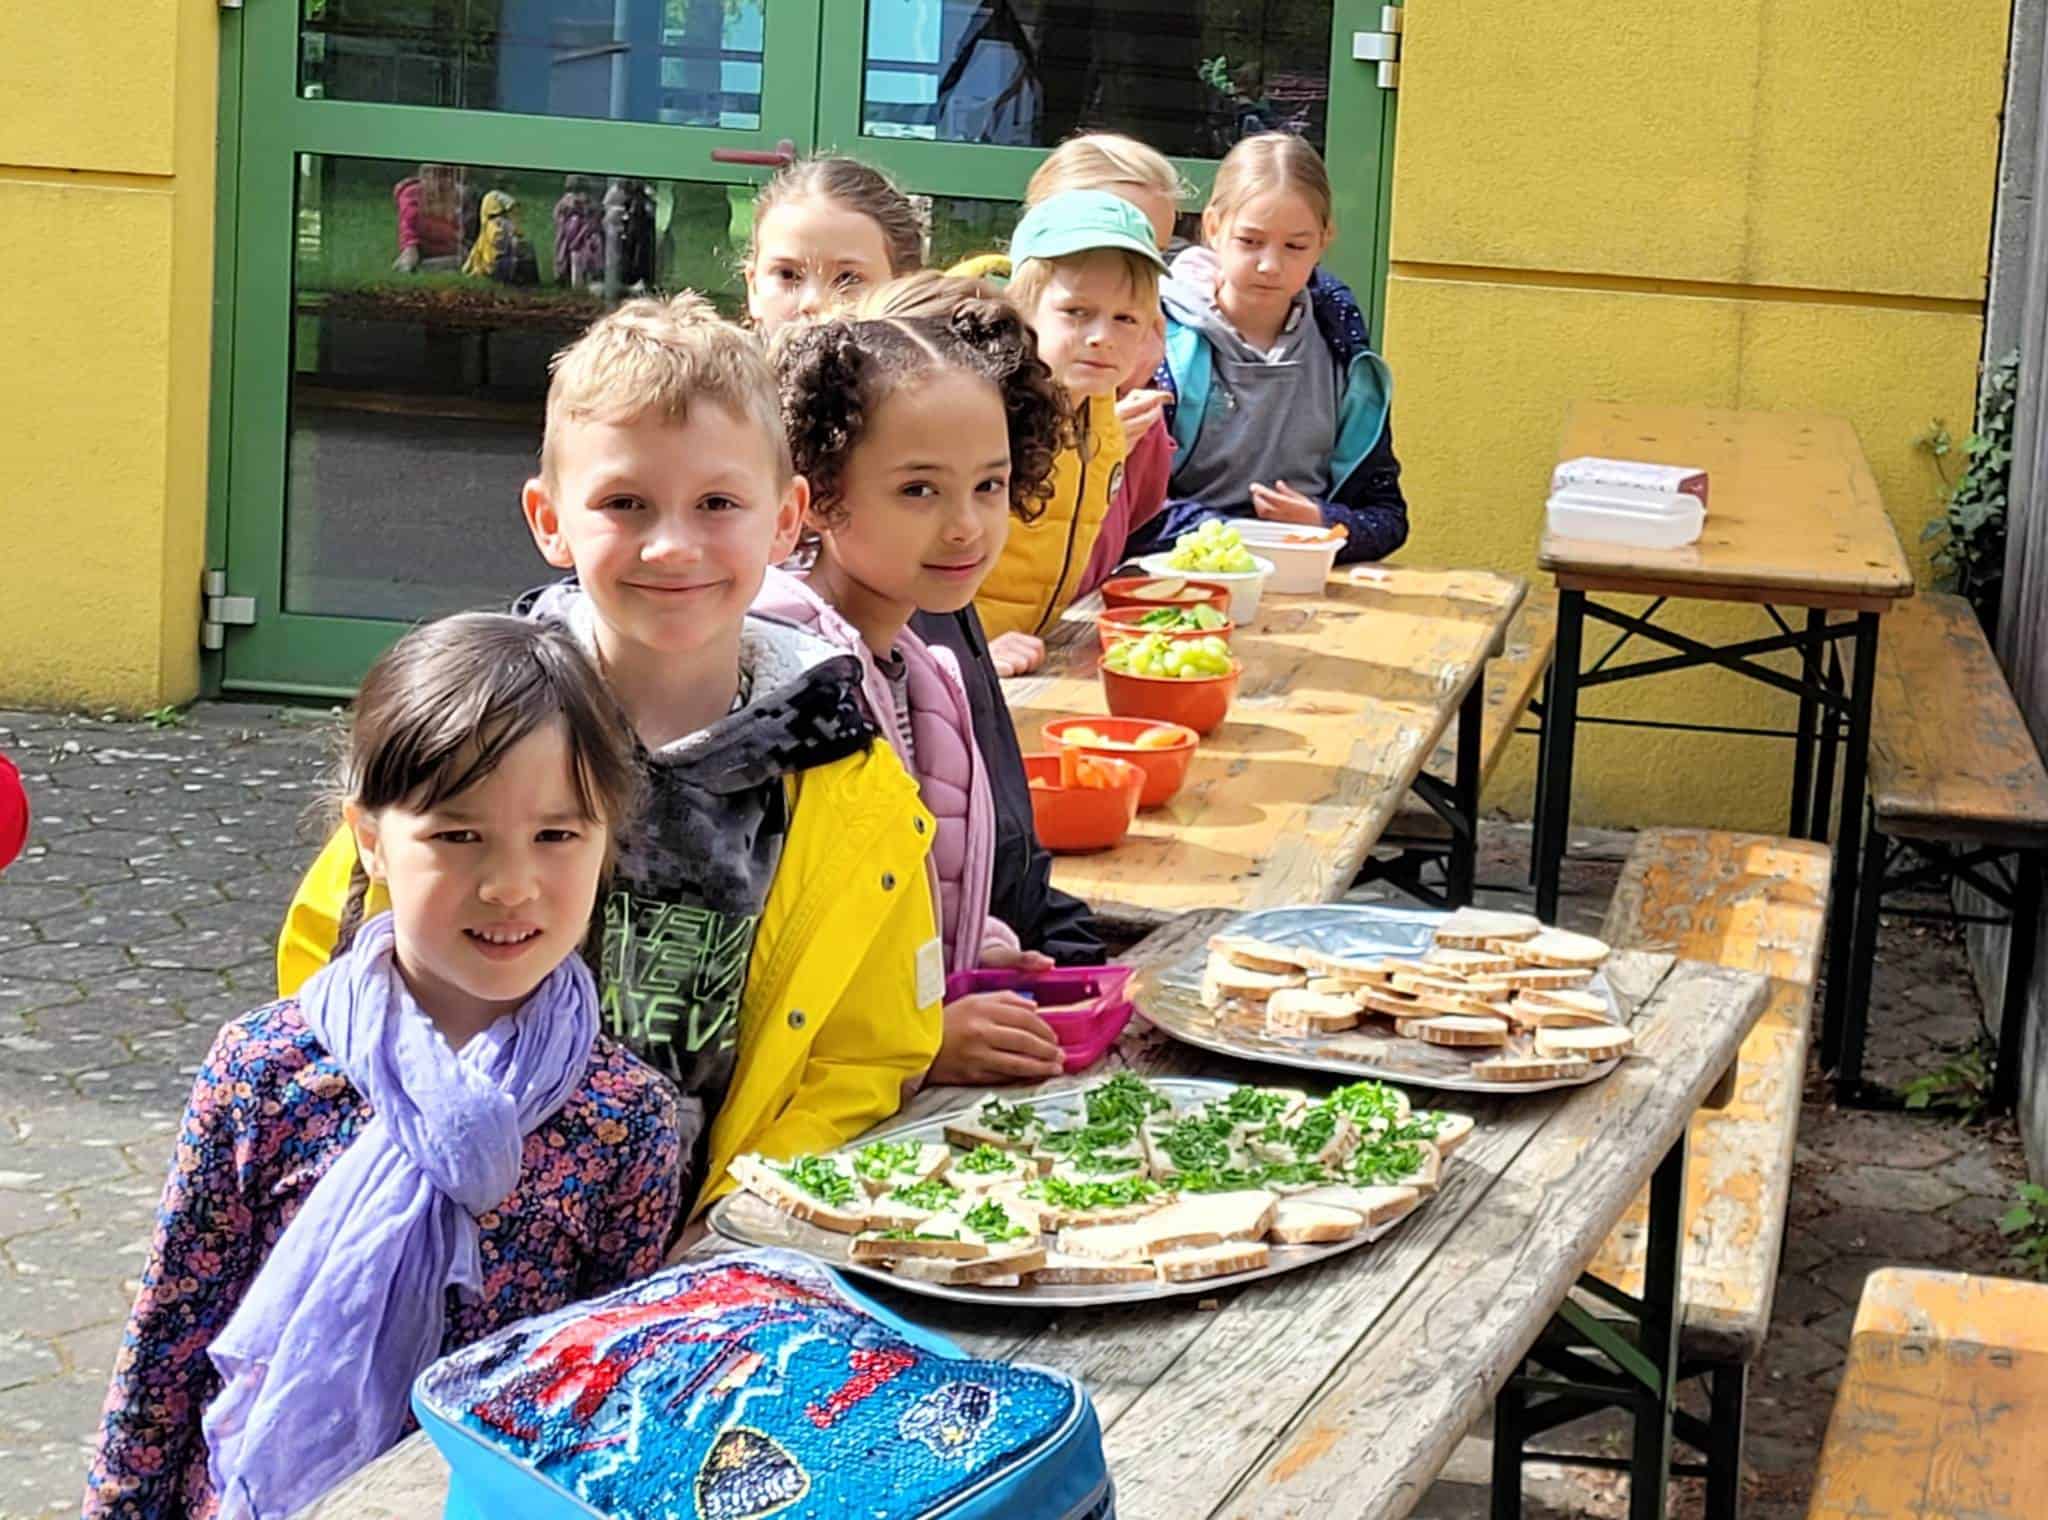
(1299, 1222)
(1004, 1266)
(1471, 928)
(1603, 1044)
(1464, 1029)
(1198, 1262)
(1468, 962)
(1251, 954)
(1375, 1206)
(1107, 1242)
(1083, 1219)
(889, 1212)
(1021, 1168)
(1061, 1270)
(932, 1159)
(1533, 1015)
(1420, 978)
(1560, 947)
(1132, 1164)
(1296, 1010)
(942, 1235)
(1223, 980)
(967, 1130)
(1528, 1068)
(1453, 1130)
(1541, 978)
(758, 1176)
(1352, 973)
(1390, 1004)
(1566, 999)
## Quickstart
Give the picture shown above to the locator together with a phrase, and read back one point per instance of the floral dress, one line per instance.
(600, 1187)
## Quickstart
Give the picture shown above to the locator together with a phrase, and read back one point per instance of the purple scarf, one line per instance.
(350, 1306)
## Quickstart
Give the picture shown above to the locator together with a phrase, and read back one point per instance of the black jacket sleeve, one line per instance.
(1023, 895)
(1370, 504)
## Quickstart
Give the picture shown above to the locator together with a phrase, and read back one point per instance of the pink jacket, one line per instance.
(952, 778)
(1138, 499)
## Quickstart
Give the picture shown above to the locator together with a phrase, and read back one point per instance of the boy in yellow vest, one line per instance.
(768, 939)
(1085, 274)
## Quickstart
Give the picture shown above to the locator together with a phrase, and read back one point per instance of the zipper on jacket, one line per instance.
(1067, 559)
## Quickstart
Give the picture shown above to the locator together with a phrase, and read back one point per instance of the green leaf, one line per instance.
(2015, 1219)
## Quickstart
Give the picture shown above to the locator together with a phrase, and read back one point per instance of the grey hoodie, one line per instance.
(691, 879)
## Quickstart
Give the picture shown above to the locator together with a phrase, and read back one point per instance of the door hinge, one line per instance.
(1382, 47)
(222, 611)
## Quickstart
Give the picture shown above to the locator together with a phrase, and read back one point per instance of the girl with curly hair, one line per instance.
(923, 437)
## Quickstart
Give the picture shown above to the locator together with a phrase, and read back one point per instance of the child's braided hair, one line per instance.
(834, 374)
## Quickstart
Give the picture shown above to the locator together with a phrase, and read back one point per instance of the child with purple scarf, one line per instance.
(433, 1139)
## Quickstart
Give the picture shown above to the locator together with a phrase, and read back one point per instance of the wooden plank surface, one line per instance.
(1343, 698)
(1950, 755)
(1941, 1413)
(1793, 513)
(1195, 1400)
(1514, 679)
(1754, 903)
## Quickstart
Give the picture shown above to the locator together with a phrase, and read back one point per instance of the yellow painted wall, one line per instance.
(106, 229)
(1775, 204)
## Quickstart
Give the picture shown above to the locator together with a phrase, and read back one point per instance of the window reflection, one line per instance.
(684, 62)
(1189, 78)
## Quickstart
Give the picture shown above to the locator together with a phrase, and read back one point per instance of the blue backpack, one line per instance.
(753, 1385)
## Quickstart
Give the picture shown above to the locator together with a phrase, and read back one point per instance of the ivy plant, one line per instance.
(1970, 532)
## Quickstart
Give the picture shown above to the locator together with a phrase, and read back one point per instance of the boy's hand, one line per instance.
(1139, 411)
(1016, 654)
(1003, 958)
(995, 1037)
(1280, 502)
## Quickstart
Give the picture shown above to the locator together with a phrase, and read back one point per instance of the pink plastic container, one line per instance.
(1085, 1005)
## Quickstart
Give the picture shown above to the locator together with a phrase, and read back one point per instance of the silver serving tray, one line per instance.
(1170, 998)
(754, 1221)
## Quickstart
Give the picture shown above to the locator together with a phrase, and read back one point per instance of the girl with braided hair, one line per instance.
(922, 437)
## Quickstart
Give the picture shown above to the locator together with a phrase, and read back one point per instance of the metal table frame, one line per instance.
(1833, 725)
(1456, 802)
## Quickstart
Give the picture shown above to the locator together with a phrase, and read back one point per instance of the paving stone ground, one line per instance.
(142, 918)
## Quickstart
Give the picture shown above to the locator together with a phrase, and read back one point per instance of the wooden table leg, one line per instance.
(1560, 724)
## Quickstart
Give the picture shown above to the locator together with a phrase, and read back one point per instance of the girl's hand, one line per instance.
(1003, 958)
(1280, 502)
(1016, 654)
(1139, 411)
(995, 1037)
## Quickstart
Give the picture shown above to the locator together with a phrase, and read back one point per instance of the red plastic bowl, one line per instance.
(1070, 819)
(1114, 624)
(1165, 769)
(1199, 704)
(1117, 593)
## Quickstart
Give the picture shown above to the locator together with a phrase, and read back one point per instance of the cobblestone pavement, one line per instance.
(142, 917)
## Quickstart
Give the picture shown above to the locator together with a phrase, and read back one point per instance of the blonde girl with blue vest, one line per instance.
(1280, 406)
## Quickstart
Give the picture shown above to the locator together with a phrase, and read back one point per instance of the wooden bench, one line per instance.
(1958, 794)
(1754, 903)
(1943, 1408)
(1419, 836)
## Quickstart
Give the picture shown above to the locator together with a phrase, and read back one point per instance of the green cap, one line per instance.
(1075, 221)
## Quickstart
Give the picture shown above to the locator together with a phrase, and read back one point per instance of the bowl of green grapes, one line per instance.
(1191, 682)
(1216, 552)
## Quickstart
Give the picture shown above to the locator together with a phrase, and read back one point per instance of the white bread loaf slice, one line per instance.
(943, 1235)
(1004, 1267)
(1205, 1218)
(1530, 1068)
(1467, 962)
(1222, 980)
(1198, 1262)
(1389, 1004)
(891, 1212)
(1452, 1130)
(1471, 928)
(1606, 1043)
(761, 1177)
(1303, 1222)
(1535, 979)
(930, 1159)
(974, 1127)
(1061, 1270)
(1371, 972)
(976, 1172)
(1257, 954)
(1295, 1010)
(1375, 1206)
(1560, 948)
(1463, 1030)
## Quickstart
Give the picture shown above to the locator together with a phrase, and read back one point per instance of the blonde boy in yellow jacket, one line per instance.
(768, 936)
(1085, 273)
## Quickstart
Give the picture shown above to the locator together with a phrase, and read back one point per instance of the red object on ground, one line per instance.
(13, 813)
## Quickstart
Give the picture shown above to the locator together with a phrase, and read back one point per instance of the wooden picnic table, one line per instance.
(1343, 697)
(1341, 1390)
(1794, 520)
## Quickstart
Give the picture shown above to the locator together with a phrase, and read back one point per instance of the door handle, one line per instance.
(784, 153)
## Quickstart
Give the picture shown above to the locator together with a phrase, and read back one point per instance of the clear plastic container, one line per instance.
(1631, 519)
(1302, 556)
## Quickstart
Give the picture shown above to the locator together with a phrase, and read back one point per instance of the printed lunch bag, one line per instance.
(752, 1385)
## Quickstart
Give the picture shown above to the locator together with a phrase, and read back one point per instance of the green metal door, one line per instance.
(424, 199)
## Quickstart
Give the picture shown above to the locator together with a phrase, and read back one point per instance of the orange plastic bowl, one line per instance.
(1166, 768)
(1117, 593)
(1199, 704)
(1115, 623)
(1069, 819)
